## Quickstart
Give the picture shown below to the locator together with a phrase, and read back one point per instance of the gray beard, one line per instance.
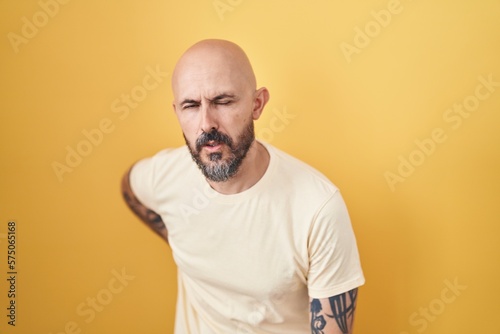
(219, 170)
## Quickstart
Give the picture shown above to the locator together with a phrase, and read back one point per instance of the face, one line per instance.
(216, 111)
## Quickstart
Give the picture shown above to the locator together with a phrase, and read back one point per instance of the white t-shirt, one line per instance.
(248, 262)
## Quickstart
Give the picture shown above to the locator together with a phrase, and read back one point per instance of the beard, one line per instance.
(218, 169)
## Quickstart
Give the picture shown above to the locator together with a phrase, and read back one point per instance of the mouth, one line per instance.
(213, 145)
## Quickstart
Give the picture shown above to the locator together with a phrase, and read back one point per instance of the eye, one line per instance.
(189, 106)
(224, 102)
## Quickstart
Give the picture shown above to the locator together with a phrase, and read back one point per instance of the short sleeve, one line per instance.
(141, 180)
(334, 265)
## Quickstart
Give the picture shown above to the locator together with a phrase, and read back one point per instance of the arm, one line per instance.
(334, 315)
(148, 216)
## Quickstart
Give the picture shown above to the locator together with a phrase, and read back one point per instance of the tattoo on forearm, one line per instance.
(151, 218)
(342, 307)
(148, 216)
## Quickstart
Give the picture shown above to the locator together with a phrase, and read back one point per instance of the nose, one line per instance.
(208, 118)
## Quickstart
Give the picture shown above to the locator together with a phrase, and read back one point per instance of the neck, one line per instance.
(250, 172)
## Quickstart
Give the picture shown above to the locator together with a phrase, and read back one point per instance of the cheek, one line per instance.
(237, 118)
(189, 130)
(188, 122)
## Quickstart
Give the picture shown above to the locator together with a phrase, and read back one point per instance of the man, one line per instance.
(263, 242)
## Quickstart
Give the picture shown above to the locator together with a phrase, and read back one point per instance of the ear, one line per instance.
(261, 96)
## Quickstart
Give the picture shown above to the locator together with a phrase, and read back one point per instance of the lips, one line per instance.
(212, 141)
(213, 145)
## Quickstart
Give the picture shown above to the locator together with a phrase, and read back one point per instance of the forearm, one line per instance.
(148, 216)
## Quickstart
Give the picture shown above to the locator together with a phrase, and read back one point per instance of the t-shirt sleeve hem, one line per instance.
(337, 290)
(141, 183)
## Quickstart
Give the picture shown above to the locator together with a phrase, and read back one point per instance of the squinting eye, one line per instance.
(223, 102)
(190, 106)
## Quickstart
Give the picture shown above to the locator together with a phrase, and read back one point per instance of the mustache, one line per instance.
(213, 135)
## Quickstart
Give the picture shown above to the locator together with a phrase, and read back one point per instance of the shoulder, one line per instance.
(164, 159)
(169, 162)
(299, 174)
(171, 154)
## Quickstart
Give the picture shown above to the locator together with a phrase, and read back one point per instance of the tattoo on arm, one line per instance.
(342, 307)
(343, 313)
(148, 216)
(318, 322)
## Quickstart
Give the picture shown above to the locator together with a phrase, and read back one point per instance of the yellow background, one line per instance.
(352, 121)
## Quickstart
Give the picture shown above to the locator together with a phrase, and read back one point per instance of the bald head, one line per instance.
(212, 66)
